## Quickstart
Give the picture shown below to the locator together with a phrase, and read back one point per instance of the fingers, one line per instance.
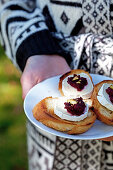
(39, 68)
(27, 83)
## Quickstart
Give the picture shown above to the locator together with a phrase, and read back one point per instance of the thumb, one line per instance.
(26, 83)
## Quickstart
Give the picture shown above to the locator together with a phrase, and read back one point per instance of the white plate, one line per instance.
(49, 87)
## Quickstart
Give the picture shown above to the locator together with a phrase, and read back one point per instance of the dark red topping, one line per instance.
(109, 91)
(77, 82)
(75, 109)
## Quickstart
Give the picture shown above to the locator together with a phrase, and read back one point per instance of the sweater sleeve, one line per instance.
(23, 31)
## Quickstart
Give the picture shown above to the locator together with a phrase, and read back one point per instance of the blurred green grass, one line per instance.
(13, 148)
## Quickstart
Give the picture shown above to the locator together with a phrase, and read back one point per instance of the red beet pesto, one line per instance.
(109, 91)
(75, 109)
(77, 82)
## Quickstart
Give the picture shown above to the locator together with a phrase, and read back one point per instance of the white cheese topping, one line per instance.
(103, 97)
(68, 90)
(61, 112)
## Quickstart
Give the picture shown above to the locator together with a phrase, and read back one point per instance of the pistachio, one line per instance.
(78, 82)
(72, 101)
(75, 78)
(111, 86)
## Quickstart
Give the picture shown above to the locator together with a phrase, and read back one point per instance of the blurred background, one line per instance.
(13, 145)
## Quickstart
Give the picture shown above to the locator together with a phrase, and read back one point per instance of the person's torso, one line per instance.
(68, 17)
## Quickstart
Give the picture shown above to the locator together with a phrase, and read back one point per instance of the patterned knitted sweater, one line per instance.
(30, 27)
(26, 26)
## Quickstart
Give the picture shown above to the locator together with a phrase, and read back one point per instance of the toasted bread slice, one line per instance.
(44, 112)
(72, 72)
(103, 114)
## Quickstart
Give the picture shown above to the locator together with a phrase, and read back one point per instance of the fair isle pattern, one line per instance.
(20, 19)
(107, 156)
(91, 155)
(77, 154)
(89, 52)
(98, 52)
(41, 147)
(69, 18)
(18, 25)
(67, 154)
(96, 16)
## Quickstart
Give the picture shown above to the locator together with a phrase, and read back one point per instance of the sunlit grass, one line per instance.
(13, 149)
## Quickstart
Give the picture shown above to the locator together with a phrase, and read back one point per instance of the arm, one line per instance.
(28, 43)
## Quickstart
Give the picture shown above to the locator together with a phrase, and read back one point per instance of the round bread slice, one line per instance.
(103, 114)
(72, 72)
(44, 112)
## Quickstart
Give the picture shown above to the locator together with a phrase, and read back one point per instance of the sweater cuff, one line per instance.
(39, 43)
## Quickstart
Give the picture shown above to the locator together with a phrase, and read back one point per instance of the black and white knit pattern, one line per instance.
(96, 16)
(22, 20)
(47, 152)
(57, 24)
(41, 148)
(19, 20)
